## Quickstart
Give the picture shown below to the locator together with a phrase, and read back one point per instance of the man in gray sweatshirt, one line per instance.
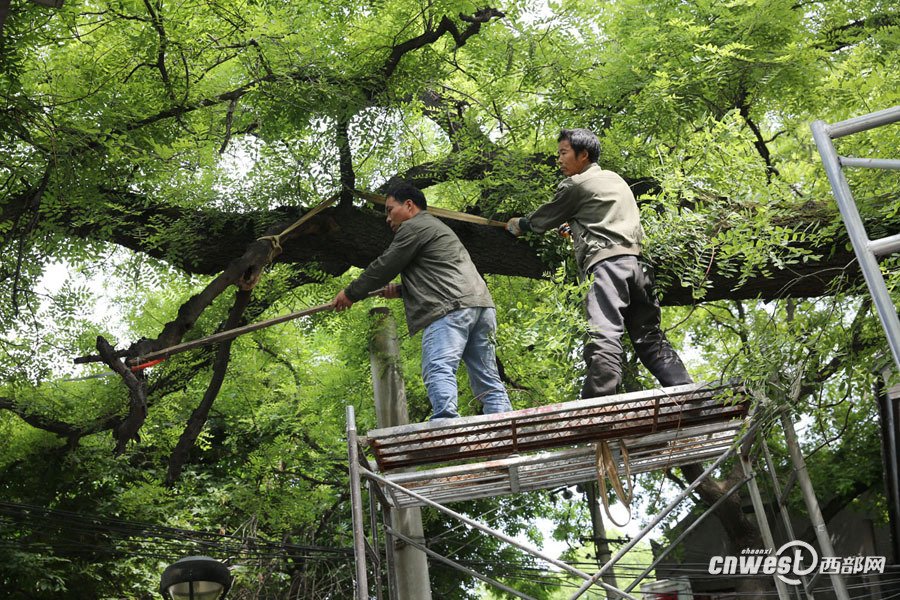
(605, 223)
(444, 296)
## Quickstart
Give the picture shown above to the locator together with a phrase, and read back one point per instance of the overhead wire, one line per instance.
(88, 532)
(145, 537)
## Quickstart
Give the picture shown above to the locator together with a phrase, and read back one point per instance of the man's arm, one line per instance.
(382, 270)
(390, 291)
(548, 215)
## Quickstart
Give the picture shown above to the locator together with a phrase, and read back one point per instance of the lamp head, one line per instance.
(195, 578)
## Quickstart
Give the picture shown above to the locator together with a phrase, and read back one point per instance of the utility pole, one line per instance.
(601, 543)
(410, 563)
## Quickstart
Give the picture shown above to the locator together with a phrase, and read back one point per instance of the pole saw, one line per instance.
(157, 356)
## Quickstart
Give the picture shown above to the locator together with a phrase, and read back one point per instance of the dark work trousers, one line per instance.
(621, 299)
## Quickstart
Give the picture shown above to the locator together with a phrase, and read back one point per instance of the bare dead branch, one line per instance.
(137, 393)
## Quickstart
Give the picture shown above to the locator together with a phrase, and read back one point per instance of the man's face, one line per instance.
(570, 163)
(397, 212)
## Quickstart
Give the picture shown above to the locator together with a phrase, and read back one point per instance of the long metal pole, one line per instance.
(481, 527)
(672, 505)
(870, 163)
(685, 533)
(812, 505)
(359, 545)
(869, 121)
(786, 519)
(459, 567)
(373, 523)
(893, 478)
(762, 520)
(822, 134)
(393, 584)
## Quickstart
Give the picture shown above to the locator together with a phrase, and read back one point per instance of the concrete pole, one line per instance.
(601, 544)
(410, 564)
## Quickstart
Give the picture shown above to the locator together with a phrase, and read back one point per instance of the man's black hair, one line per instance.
(582, 139)
(404, 191)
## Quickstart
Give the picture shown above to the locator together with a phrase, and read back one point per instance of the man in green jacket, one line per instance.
(606, 228)
(444, 296)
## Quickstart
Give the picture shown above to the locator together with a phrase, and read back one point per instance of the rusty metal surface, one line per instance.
(556, 426)
(562, 467)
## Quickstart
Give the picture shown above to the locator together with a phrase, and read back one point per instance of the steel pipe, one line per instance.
(671, 506)
(870, 163)
(863, 123)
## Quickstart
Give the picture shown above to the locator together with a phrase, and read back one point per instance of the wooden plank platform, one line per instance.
(555, 425)
(660, 428)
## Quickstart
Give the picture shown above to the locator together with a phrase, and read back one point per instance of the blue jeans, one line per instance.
(464, 334)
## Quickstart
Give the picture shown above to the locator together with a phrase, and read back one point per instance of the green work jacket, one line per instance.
(437, 273)
(600, 209)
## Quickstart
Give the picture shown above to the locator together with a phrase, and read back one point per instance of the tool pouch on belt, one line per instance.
(607, 468)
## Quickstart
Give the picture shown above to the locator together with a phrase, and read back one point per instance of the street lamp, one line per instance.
(195, 578)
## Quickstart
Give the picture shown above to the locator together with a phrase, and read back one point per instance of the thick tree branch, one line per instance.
(345, 160)
(201, 413)
(432, 35)
(759, 142)
(161, 49)
(333, 241)
(38, 421)
(841, 37)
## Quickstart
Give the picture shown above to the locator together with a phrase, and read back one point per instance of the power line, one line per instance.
(87, 533)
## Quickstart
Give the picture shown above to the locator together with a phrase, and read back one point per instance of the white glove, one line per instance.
(512, 226)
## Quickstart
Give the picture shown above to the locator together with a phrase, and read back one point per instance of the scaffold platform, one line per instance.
(435, 464)
(552, 446)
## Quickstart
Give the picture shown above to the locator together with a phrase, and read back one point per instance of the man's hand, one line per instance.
(391, 290)
(512, 226)
(341, 302)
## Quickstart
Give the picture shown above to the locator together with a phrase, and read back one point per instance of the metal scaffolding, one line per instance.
(867, 251)
(549, 447)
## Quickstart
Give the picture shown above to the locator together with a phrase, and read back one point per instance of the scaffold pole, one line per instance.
(359, 540)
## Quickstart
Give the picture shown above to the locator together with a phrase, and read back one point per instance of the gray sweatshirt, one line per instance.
(600, 209)
(437, 273)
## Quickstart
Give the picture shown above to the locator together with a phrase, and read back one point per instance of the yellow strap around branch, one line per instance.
(607, 467)
(276, 239)
(377, 199)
